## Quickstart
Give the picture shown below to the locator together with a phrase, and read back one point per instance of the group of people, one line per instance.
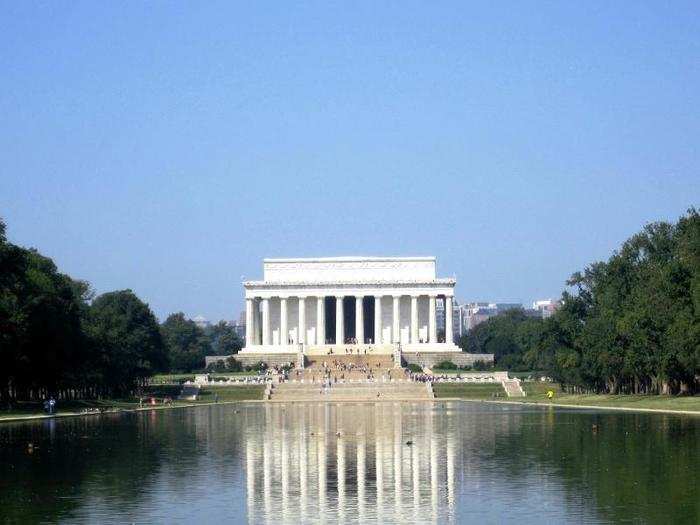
(428, 378)
(50, 405)
(337, 369)
(348, 341)
(350, 351)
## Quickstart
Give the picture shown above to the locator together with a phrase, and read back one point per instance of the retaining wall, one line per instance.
(276, 359)
(430, 359)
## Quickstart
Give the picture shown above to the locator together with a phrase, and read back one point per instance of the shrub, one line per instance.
(260, 366)
(217, 366)
(481, 365)
(416, 369)
(447, 365)
(233, 366)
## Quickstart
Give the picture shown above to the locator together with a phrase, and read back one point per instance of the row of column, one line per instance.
(252, 320)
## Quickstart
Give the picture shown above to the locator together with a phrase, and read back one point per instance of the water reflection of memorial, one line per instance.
(356, 462)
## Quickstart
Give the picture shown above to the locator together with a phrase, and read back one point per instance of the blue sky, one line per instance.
(168, 147)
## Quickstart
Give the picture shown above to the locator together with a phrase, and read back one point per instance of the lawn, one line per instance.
(536, 393)
(181, 378)
(207, 395)
(36, 408)
(232, 393)
(469, 390)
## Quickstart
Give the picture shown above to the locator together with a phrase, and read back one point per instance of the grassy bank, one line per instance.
(469, 390)
(536, 393)
(180, 378)
(226, 394)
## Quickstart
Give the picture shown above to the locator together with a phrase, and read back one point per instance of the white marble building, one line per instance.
(311, 305)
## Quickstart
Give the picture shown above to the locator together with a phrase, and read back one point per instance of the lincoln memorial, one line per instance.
(386, 305)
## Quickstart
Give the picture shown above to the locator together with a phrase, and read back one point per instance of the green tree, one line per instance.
(127, 340)
(508, 336)
(223, 339)
(42, 344)
(187, 343)
(633, 323)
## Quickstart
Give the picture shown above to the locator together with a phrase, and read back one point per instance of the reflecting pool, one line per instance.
(451, 462)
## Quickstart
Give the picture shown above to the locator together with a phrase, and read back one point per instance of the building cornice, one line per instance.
(350, 259)
(315, 284)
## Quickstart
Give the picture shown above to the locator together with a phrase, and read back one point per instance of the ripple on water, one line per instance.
(451, 462)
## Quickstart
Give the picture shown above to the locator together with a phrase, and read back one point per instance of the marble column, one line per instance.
(321, 321)
(254, 326)
(249, 322)
(378, 319)
(266, 321)
(359, 320)
(432, 322)
(302, 320)
(414, 319)
(339, 331)
(395, 334)
(448, 320)
(284, 328)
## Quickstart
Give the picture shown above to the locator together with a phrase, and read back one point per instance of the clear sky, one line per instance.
(168, 147)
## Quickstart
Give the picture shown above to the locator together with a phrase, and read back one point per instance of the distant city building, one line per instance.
(546, 307)
(238, 325)
(473, 314)
(201, 322)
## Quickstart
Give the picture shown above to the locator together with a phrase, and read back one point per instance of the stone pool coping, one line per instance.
(38, 417)
(586, 407)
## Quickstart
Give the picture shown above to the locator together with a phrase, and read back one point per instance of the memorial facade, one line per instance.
(385, 304)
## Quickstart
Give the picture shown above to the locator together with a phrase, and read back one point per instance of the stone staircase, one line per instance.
(367, 391)
(513, 388)
(346, 368)
(370, 361)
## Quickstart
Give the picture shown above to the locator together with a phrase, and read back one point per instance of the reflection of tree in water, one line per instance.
(111, 457)
(625, 466)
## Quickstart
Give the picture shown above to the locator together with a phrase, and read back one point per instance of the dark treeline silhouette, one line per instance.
(57, 339)
(630, 325)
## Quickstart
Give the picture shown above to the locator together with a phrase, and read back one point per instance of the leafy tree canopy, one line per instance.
(187, 343)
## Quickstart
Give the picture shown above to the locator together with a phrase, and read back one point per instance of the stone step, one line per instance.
(350, 392)
(513, 388)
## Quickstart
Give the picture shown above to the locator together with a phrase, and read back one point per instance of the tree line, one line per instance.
(630, 324)
(58, 338)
